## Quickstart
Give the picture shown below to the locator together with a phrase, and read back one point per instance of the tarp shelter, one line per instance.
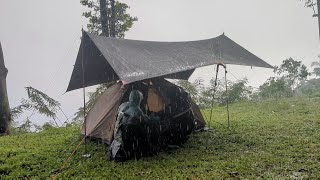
(103, 59)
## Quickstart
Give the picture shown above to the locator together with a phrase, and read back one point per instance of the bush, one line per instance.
(309, 88)
(275, 88)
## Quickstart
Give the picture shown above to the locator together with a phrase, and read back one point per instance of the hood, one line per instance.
(135, 97)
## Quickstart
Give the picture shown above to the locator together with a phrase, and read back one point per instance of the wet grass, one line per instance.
(278, 139)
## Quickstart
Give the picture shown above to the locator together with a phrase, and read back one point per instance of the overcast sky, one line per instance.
(40, 38)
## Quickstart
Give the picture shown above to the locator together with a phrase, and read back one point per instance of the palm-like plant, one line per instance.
(316, 69)
(37, 102)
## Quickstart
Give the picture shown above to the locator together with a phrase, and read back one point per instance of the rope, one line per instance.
(50, 83)
(68, 159)
(233, 75)
(59, 67)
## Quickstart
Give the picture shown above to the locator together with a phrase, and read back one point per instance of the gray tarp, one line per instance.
(107, 59)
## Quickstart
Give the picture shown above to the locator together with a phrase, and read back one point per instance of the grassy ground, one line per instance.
(269, 139)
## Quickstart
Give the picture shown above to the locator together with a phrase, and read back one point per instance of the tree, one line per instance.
(115, 19)
(207, 92)
(39, 102)
(316, 69)
(4, 102)
(292, 71)
(237, 91)
(104, 17)
(202, 95)
(113, 24)
(275, 88)
(312, 4)
(310, 88)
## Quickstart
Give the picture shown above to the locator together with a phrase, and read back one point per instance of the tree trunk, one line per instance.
(318, 4)
(113, 20)
(4, 102)
(104, 17)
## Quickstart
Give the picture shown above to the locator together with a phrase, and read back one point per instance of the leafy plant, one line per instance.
(37, 102)
(309, 88)
(237, 91)
(311, 4)
(202, 95)
(316, 69)
(292, 71)
(275, 88)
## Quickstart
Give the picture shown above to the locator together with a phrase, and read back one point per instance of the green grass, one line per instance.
(277, 139)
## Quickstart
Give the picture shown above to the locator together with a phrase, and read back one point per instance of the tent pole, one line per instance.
(84, 96)
(214, 91)
(225, 77)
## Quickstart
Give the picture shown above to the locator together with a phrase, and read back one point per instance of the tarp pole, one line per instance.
(214, 90)
(84, 95)
(225, 77)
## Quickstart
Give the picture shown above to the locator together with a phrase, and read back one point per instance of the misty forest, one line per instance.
(141, 95)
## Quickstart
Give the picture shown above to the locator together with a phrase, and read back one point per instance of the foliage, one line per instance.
(237, 91)
(123, 20)
(17, 111)
(208, 92)
(311, 4)
(202, 95)
(25, 127)
(309, 88)
(273, 139)
(37, 102)
(316, 69)
(47, 126)
(275, 88)
(292, 71)
(192, 88)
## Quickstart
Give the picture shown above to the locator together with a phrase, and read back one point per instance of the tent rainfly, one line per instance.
(103, 59)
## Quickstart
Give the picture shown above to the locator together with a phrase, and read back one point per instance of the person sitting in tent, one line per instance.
(129, 132)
